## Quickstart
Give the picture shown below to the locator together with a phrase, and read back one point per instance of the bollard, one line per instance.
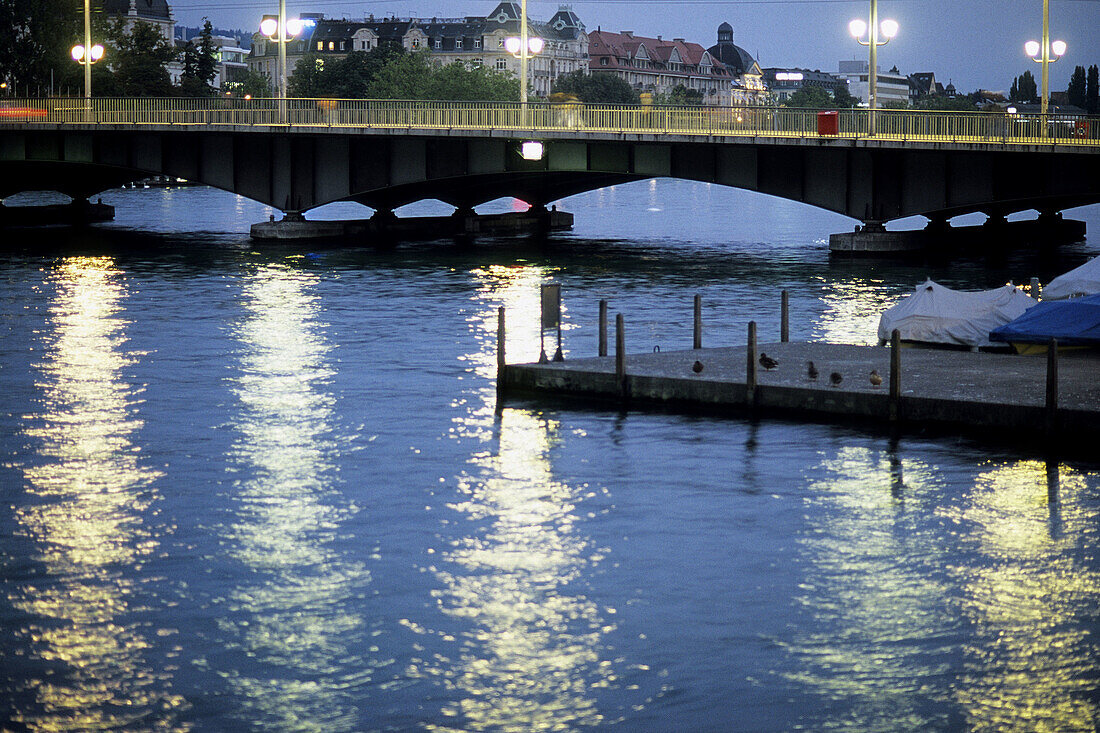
(1052, 387)
(895, 374)
(500, 344)
(750, 374)
(1035, 288)
(620, 348)
(603, 329)
(784, 317)
(697, 339)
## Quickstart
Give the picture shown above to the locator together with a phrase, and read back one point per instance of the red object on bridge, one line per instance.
(828, 123)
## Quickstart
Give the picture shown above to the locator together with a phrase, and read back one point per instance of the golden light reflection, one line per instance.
(88, 524)
(851, 311)
(868, 609)
(292, 618)
(528, 656)
(1031, 664)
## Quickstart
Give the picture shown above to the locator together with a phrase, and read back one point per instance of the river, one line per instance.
(270, 488)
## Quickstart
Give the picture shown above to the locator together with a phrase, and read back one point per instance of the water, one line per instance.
(269, 489)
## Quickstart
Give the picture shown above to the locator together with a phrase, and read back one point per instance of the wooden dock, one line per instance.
(1013, 396)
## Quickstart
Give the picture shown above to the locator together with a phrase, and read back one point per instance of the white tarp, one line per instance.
(939, 315)
(1083, 280)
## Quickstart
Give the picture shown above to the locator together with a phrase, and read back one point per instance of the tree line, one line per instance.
(1083, 90)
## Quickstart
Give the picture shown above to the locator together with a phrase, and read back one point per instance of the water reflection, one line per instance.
(291, 614)
(1031, 662)
(851, 310)
(529, 647)
(88, 521)
(868, 605)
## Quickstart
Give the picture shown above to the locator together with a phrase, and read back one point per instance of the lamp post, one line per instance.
(1057, 48)
(888, 29)
(87, 54)
(523, 48)
(281, 31)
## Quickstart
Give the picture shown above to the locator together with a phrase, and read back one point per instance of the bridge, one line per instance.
(298, 154)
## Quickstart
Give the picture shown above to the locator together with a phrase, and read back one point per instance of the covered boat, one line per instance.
(1074, 322)
(1083, 280)
(935, 314)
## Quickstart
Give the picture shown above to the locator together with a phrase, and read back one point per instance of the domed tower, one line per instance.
(748, 80)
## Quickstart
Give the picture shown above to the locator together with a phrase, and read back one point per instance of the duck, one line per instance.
(697, 367)
(835, 379)
(767, 362)
(811, 371)
(876, 378)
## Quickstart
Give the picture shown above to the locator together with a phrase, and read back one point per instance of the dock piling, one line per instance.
(895, 374)
(1035, 288)
(603, 329)
(784, 317)
(500, 344)
(697, 340)
(1052, 387)
(750, 374)
(620, 348)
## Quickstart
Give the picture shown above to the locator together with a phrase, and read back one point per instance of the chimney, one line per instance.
(628, 34)
(658, 36)
(678, 40)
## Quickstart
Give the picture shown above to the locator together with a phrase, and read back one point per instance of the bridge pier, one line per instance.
(78, 212)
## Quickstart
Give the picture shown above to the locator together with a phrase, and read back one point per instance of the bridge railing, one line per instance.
(534, 117)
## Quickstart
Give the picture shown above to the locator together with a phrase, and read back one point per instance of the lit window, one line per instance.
(332, 45)
(500, 43)
(320, 45)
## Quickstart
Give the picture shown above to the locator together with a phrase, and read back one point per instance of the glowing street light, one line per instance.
(523, 48)
(281, 31)
(86, 53)
(1044, 51)
(887, 29)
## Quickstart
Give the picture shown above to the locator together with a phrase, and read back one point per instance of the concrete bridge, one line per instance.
(300, 154)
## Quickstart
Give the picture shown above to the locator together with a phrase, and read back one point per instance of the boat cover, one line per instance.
(1083, 280)
(939, 315)
(1074, 322)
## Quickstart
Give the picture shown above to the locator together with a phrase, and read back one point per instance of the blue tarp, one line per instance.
(1074, 322)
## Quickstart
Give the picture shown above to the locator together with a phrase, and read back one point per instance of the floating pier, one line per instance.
(77, 213)
(466, 223)
(875, 240)
(1021, 398)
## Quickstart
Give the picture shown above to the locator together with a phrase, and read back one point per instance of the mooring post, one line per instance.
(895, 374)
(500, 345)
(750, 373)
(603, 329)
(785, 317)
(1035, 288)
(697, 339)
(1052, 386)
(620, 352)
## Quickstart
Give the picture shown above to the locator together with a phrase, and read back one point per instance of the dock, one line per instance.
(1011, 396)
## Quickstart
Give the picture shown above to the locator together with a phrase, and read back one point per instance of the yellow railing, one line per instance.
(774, 122)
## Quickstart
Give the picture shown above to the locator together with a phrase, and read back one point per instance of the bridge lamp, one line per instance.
(281, 30)
(95, 55)
(878, 34)
(1041, 53)
(531, 150)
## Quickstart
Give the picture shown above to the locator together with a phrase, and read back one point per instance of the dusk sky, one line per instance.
(973, 44)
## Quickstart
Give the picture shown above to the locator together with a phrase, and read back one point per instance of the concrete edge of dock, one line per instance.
(685, 394)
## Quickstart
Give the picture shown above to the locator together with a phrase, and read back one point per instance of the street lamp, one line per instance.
(523, 48)
(281, 31)
(87, 54)
(1044, 52)
(888, 29)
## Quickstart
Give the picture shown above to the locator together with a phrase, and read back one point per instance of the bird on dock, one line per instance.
(697, 367)
(876, 378)
(835, 379)
(811, 371)
(767, 362)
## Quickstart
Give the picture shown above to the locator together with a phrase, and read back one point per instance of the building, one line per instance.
(659, 65)
(155, 12)
(892, 87)
(475, 41)
(784, 82)
(748, 85)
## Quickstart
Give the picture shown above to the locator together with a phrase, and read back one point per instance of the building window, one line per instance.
(502, 64)
(332, 45)
(477, 43)
(341, 45)
(416, 43)
(603, 61)
(458, 43)
(439, 43)
(476, 63)
(320, 45)
(500, 43)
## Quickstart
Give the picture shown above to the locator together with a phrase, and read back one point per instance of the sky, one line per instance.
(974, 44)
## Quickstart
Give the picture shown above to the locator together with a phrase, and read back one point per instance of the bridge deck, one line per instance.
(960, 389)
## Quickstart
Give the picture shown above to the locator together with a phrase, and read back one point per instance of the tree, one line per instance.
(961, 103)
(1024, 88)
(455, 82)
(681, 96)
(1092, 91)
(844, 99)
(252, 84)
(811, 97)
(35, 38)
(1076, 90)
(405, 77)
(139, 57)
(596, 88)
